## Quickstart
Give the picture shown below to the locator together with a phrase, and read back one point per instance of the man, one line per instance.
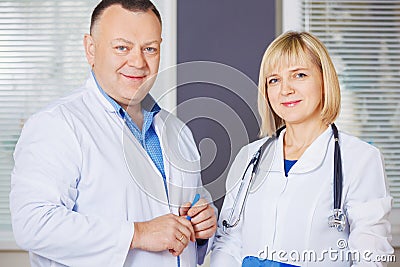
(82, 186)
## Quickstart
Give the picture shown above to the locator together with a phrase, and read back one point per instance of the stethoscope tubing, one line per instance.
(255, 161)
(338, 219)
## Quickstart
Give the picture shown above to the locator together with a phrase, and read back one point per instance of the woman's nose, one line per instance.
(286, 88)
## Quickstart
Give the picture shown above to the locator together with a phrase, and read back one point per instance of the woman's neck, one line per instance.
(299, 137)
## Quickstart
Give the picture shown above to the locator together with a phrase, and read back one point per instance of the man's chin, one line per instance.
(136, 99)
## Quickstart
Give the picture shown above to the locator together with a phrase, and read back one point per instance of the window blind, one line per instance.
(41, 58)
(363, 38)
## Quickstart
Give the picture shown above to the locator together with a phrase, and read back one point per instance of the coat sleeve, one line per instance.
(368, 205)
(227, 247)
(43, 195)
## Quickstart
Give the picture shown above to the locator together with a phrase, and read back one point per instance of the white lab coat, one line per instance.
(73, 200)
(290, 214)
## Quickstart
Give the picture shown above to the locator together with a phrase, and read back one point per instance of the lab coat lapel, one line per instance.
(272, 159)
(314, 155)
(92, 86)
(271, 162)
(142, 170)
(312, 158)
(177, 165)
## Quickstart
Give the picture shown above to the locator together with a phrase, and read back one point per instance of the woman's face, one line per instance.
(295, 92)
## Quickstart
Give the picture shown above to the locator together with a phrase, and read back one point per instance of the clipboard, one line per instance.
(251, 261)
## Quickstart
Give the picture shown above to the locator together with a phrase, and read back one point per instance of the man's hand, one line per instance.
(204, 220)
(167, 232)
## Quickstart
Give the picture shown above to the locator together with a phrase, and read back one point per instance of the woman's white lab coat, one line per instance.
(73, 197)
(290, 214)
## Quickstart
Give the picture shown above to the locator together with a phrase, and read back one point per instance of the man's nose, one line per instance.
(136, 59)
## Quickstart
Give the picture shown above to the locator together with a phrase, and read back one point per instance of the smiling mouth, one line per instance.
(134, 77)
(291, 103)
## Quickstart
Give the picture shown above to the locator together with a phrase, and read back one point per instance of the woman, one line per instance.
(285, 216)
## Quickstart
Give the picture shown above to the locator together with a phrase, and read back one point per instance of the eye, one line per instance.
(272, 81)
(150, 50)
(301, 75)
(121, 48)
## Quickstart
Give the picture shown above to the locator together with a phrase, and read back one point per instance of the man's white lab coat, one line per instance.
(81, 179)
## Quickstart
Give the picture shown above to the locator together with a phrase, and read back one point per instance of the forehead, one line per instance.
(286, 59)
(117, 22)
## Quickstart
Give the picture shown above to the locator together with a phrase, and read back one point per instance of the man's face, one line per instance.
(124, 51)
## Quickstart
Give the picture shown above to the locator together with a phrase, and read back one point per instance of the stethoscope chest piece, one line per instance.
(337, 220)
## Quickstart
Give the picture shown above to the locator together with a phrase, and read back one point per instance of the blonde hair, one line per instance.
(298, 47)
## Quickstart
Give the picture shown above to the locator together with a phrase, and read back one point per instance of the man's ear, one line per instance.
(90, 48)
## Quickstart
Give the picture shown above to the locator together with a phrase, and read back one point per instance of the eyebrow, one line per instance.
(152, 42)
(131, 43)
(294, 69)
(298, 68)
(121, 40)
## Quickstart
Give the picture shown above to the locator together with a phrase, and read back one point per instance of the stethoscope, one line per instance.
(336, 220)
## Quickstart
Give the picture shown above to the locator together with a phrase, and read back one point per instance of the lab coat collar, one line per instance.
(148, 103)
(311, 159)
(92, 86)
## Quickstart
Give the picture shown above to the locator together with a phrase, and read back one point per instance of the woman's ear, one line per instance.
(90, 48)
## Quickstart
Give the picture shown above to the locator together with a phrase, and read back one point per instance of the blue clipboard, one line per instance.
(251, 261)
